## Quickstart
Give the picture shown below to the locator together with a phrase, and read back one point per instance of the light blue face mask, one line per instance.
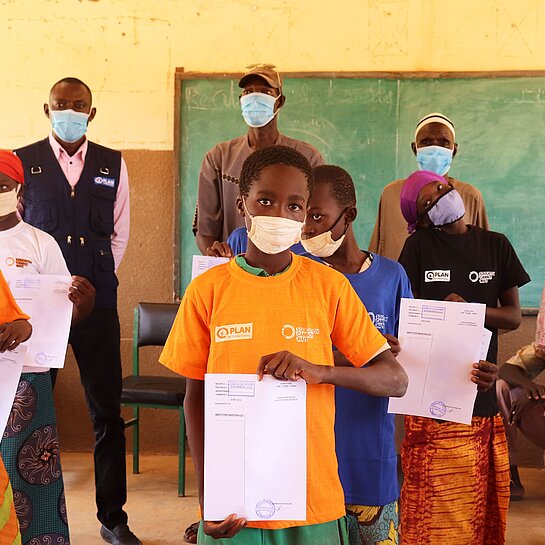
(68, 125)
(258, 109)
(434, 158)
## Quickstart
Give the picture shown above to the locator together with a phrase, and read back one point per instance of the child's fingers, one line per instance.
(263, 361)
(282, 370)
(277, 365)
(226, 528)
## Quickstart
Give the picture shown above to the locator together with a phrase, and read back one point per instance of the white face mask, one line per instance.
(323, 245)
(273, 235)
(8, 202)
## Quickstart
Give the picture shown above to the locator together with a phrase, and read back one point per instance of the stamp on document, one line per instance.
(265, 509)
(438, 409)
(40, 358)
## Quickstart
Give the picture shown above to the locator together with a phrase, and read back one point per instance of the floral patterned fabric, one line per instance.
(30, 449)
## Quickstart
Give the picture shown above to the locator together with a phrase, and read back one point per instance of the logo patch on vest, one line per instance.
(439, 275)
(100, 180)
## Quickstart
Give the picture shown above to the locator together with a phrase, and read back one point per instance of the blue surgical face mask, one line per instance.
(258, 109)
(434, 158)
(69, 125)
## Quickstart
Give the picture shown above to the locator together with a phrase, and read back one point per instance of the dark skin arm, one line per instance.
(194, 416)
(515, 377)
(204, 242)
(82, 295)
(219, 249)
(382, 376)
(535, 393)
(483, 374)
(340, 359)
(12, 334)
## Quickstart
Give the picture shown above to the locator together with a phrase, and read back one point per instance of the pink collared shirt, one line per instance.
(72, 168)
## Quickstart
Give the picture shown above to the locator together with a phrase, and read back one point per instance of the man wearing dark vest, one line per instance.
(77, 191)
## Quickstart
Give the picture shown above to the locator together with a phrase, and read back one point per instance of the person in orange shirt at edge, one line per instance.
(14, 329)
(270, 287)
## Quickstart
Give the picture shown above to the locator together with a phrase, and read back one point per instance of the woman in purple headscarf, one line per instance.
(456, 488)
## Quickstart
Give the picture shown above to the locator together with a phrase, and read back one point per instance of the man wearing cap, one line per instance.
(260, 101)
(434, 147)
(78, 192)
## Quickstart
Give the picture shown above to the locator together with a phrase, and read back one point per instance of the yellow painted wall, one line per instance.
(127, 50)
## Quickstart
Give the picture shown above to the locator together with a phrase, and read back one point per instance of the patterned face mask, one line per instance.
(447, 209)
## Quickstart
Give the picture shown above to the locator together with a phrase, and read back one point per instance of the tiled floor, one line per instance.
(158, 516)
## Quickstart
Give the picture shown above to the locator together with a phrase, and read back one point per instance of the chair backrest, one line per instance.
(153, 322)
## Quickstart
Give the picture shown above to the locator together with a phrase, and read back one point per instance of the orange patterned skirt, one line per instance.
(9, 527)
(456, 487)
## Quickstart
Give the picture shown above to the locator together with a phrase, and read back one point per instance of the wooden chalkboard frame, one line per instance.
(181, 75)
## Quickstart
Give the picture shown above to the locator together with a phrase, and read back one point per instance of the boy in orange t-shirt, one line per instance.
(292, 310)
(14, 329)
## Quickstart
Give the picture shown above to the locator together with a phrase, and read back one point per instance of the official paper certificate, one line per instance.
(201, 263)
(255, 455)
(440, 341)
(44, 298)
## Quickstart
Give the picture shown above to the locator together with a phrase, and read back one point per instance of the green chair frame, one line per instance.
(135, 420)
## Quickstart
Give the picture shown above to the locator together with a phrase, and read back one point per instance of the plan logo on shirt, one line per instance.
(234, 332)
(438, 275)
(379, 320)
(300, 334)
(483, 277)
(108, 182)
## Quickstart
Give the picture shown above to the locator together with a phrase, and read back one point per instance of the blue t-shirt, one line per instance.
(364, 431)
(238, 242)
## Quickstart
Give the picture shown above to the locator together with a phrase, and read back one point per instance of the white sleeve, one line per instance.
(52, 259)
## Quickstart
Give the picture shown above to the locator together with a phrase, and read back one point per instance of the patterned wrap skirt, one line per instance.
(456, 487)
(30, 449)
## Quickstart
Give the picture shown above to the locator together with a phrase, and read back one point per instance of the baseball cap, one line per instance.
(268, 72)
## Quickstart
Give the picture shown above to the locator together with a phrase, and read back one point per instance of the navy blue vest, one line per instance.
(81, 219)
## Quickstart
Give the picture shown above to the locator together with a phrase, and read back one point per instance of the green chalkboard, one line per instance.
(366, 125)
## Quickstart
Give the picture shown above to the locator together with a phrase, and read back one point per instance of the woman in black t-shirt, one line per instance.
(456, 488)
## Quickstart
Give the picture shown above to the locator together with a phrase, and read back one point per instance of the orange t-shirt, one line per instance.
(9, 311)
(229, 318)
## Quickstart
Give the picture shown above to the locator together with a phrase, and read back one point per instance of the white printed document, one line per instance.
(440, 342)
(44, 298)
(201, 263)
(255, 450)
(11, 365)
